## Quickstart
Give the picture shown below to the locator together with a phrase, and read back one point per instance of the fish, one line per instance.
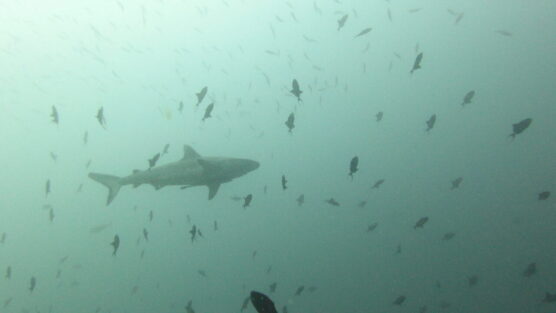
(417, 63)
(115, 244)
(468, 97)
(421, 222)
(363, 32)
(549, 298)
(153, 160)
(300, 200)
(389, 13)
(100, 117)
(284, 182)
(430, 122)
(353, 166)
(190, 171)
(378, 183)
(530, 270)
(8, 272)
(208, 111)
(456, 182)
(272, 287)
(202, 273)
(85, 137)
(3, 238)
(399, 249)
(379, 116)
(180, 107)
(544, 195)
(299, 290)
(201, 95)
(215, 225)
(448, 236)
(99, 228)
(504, 33)
(290, 123)
(47, 187)
(472, 280)
(193, 232)
(51, 215)
(245, 303)
(362, 204)
(247, 200)
(54, 116)
(189, 307)
(145, 234)
(333, 202)
(372, 227)
(151, 216)
(342, 21)
(520, 126)
(458, 18)
(165, 150)
(32, 284)
(79, 188)
(295, 90)
(399, 300)
(262, 303)
(53, 156)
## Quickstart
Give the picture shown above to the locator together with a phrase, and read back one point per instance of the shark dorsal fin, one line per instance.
(189, 153)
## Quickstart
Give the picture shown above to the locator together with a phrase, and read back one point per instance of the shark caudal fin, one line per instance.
(111, 182)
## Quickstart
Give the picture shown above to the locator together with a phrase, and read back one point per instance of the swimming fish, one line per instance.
(472, 280)
(247, 200)
(456, 182)
(85, 137)
(378, 183)
(520, 126)
(54, 115)
(379, 116)
(417, 63)
(468, 97)
(333, 202)
(295, 90)
(8, 272)
(448, 236)
(193, 233)
(47, 187)
(372, 227)
(544, 195)
(299, 290)
(363, 32)
(421, 222)
(530, 270)
(208, 111)
(100, 117)
(290, 122)
(430, 122)
(549, 298)
(116, 244)
(284, 182)
(342, 21)
(32, 284)
(201, 95)
(273, 287)
(145, 234)
(180, 108)
(353, 166)
(399, 300)
(300, 200)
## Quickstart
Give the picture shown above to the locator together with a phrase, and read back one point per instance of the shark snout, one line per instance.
(252, 165)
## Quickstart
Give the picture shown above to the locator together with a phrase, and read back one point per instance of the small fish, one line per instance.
(549, 298)
(201, 95)
(468, 97)
(472, 280)
(3, 238)
(284, 182)
(245, 303)
(363, 32)
(530, 270)
(362, 204)
(53, 156)
(399, 300)
(399, 249)
(100, 117)
(421, 222)
(458, 18)
(165, 150)
(353, 166)
(208, 110)
(47, 187)
(79, 188)
(342, 21)
(299, 290)
(520, 126)
(379, 116)
(189, 307)
(202, 273)
(180, 108)
(51, 215)
(448, 236)
(295, 90)
(417, 63)
(290, 122)
(389, 14)
(456, 182)
(153, 160)
(54, 115)
(544, 195)
(254, 254)
(32, 284)
(372, 227)
(85, 137)
(430, 122)
(215, 225)
(268, 269)
(504, 33)
(272, 287)
(151, 216)
(300, 200)
(193, 233)
(378, 183)
(247, 200)
(145, 234)
(262, 303)
(8, 272)
(116, 244)
(333, 202)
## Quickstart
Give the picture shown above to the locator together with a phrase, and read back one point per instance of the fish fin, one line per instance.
(111, 182)
(189, 153)
(213, 189)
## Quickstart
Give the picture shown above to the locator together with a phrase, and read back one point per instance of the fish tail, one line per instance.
(111, 182)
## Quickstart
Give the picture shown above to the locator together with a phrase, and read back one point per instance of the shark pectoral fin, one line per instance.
(213, 189)
(111, 182)
(189, 153)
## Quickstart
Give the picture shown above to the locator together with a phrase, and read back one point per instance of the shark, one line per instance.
(190, 171)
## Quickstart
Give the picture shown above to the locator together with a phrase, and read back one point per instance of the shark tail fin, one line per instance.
(111, 182)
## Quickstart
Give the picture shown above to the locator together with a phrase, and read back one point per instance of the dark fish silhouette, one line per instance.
(378, 183)
(468, 97)
(472, 280)
(151, 216)
(295, 90)
(273, 287)
(372, 227)
(165, 150)
(54, 115)
(300, 200)
(284, 182)
(544, 195)
(189, 307)
(417, 63)
(456, 182)
(51, 215)
(299, 290)
(215, 225)
(448, 236)
(342, 21)
(262, 303)
(85, 137)
(100, 117)
(333, 202)
(201, 95)
(504, 33)
(353, 166)
(145, 234)
(379, 116)
(180, 108)
(362, 204)
(363, 32)
(47, 187)
(193, 233)
(153, 160)
(520, 126)
(399, 300)
(208, 110)
(202, 273)
(290, 122)
(430, 122)
(549, 298)
(53, 156)
(399, 249)
(530, 270)
(8, 272)
(421, 222)
(247, 200)
(116, 244)
(32, 284)
(3, 238)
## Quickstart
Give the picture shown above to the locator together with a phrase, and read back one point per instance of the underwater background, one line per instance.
(487, 244)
